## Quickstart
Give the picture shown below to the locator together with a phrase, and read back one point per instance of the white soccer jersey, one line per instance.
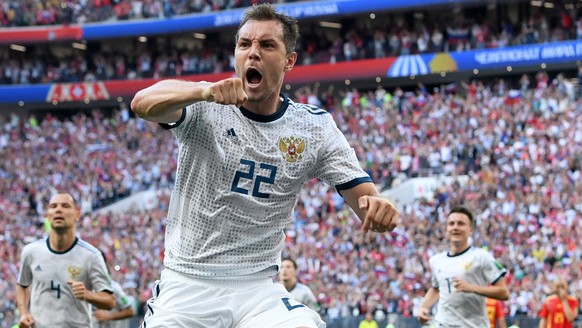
(238, 177)
(460, 309)
(52, 303)
(122, 302)
(303, 294)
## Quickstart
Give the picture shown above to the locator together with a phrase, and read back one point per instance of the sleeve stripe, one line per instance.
(171, 126)
(352, 183)
(500, 276)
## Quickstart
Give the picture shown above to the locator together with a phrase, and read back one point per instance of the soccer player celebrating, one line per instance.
(461, 278)
(67, 274)
(245, 150)
(559, 310)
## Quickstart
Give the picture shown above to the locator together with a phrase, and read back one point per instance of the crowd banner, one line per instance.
(565, 52)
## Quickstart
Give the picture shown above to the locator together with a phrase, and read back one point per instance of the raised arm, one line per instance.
(376, 213)
(163, 101)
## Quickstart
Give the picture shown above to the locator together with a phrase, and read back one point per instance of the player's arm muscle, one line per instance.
(22, 298)
(125, 313)
(163, 102)
(431, 297)
(497, 291)
(101, 300)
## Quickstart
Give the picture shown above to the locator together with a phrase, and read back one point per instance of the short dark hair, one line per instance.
(59, 192)
(266, 12)
(290, 260)
(463, 210)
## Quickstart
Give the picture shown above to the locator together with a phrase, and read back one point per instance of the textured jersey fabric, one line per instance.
(237, 181)
(304, 295)
(52, 303)
(459, 309)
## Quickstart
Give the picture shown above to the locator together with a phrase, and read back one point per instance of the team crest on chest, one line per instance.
(292, 148)
(74, 271)
(467, 266)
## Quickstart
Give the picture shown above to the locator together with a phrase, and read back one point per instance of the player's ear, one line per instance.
(290, 62)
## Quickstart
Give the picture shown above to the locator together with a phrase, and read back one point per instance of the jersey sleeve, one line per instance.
(337, 164)
(544, 311)
(433, 278)
(25, 273)
(492, 269)
(121, 299)
(313, 304)
(99, 276)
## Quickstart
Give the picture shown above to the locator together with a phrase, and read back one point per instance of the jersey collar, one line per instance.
(459, 254)
(48, 244)
(267, 118)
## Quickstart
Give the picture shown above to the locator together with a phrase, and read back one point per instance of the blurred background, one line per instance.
(445, 102)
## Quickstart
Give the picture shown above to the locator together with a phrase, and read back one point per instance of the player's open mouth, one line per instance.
(253, 77)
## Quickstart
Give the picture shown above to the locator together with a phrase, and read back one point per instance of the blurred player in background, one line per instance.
(560, 309)
(300, 292)
(495, 313)
(462, 277)
(245, 151)
(67, 274)
(119, 315)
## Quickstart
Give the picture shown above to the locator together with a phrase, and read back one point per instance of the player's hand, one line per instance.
(101, 315)
(562, 293)
(381, 214)
(26, 321)
(424, 315)
(79, 290)
(226, 92)
(462, 286)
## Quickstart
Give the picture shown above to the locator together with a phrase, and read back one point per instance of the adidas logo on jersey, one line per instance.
(230, 134)
(37, 268)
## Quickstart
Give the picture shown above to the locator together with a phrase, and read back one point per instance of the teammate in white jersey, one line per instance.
(118, 317)
(245, 151)
(66, 273)
(300, 292)
(462, 278)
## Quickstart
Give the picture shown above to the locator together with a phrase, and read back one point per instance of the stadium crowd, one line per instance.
(16, 13)
(519, 147)
(388, 35)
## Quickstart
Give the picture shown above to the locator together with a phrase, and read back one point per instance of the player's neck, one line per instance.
(265, 107)
(457, 248)
(60, 242)
(289, 284)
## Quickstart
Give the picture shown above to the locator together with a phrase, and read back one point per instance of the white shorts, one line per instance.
(180, 301)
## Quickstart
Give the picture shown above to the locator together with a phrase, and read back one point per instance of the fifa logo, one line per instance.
(292, 148)
(74, 272)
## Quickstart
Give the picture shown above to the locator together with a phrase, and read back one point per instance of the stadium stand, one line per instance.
(511, 143)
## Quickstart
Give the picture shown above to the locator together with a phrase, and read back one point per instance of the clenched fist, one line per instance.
(226, 92)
